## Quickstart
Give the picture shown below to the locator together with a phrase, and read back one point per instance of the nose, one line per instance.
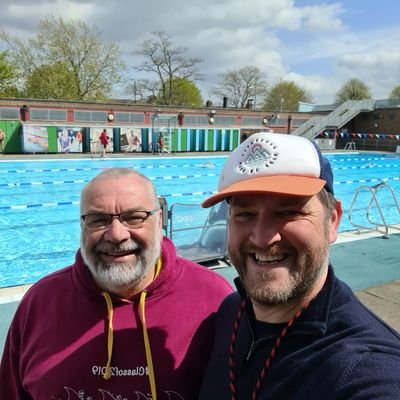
(116, 232)
(264, 232)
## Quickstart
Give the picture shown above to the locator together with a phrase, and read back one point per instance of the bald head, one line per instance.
(138, 179)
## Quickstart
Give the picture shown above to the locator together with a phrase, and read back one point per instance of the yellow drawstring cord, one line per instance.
(146, 336)
(110, 337)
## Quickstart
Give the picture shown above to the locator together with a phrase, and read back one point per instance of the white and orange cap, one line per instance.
(273, 163)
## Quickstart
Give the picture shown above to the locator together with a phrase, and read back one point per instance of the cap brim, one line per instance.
(289, 185)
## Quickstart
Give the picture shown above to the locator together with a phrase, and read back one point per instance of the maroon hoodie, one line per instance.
(56, 348)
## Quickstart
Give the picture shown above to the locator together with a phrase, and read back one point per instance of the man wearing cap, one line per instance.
(293, 330)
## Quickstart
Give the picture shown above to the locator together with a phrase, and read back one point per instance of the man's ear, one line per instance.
(334, 221)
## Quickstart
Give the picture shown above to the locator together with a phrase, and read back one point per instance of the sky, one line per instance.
(317, 44)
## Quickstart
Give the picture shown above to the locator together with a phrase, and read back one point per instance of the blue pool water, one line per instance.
(39, 202)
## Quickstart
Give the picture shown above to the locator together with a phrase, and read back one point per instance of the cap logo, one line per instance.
(257, 155)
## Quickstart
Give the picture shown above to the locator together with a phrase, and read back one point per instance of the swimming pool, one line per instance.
(39, 202)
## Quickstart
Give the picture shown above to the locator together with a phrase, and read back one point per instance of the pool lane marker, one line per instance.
(65, 203)
(184, 194)
(102, 168)
(87, 180)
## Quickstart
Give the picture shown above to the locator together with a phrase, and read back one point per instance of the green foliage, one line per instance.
(353, 89)
(7, 77)
(285, 96)
(241, 85)
(51, 82)
(66, 51)
(395, 93)
(184, 93)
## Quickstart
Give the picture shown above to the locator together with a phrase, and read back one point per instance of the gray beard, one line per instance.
(117, 277)
(301, 281)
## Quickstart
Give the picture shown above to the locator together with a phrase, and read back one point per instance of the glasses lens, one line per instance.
(134, 218)
(97, 220)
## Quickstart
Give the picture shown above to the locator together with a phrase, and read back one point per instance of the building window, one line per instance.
(9, 113)
(126, 117)
(48, 115)
(90, 116)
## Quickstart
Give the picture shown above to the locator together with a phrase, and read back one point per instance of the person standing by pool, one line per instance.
(293, 330)
(104, 141)
(129, 319)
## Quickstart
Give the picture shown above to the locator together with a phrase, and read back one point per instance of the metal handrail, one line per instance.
(336, 119)
(350, 146)
(374, 200)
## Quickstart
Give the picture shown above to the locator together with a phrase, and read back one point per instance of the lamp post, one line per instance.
(282, 100)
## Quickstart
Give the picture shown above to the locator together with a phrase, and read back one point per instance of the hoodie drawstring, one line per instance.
(146, 336)
(110, 338)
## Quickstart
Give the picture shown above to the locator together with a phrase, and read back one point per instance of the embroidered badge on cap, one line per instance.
(261, 153)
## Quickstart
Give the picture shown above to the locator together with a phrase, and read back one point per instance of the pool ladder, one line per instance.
(350, 146)
(374, 201)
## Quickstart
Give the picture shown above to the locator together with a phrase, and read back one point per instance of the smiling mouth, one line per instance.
(119, 253)
(268, 259)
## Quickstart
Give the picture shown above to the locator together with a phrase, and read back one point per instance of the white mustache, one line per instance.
(108, 247)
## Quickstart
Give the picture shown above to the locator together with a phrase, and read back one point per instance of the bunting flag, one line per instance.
(368, 135)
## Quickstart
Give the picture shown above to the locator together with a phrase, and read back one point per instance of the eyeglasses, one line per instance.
(130, 219)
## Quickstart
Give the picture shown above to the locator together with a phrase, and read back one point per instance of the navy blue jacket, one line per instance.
(336, 350)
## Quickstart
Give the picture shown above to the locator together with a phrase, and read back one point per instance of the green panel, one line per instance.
(145, 140)
(192, 133)
(209, 146)
(235, 139)
(12, 143)
(174, 140)
(218, 144)
(202, 135)
(227, 139)
(52, 132)
(184, 135)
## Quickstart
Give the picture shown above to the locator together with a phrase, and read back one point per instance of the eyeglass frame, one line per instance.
(118, 216)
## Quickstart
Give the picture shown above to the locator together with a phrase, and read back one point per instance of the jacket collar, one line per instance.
(314, 320)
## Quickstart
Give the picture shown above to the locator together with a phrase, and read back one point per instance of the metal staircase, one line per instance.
(335, 120)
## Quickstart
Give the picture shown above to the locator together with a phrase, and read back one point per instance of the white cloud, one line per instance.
(316, 45)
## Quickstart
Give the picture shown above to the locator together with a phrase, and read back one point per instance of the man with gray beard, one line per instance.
(130, 319)
(293, 330)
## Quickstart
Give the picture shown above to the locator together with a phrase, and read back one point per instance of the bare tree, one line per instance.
(240, 86)
(167, 63)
